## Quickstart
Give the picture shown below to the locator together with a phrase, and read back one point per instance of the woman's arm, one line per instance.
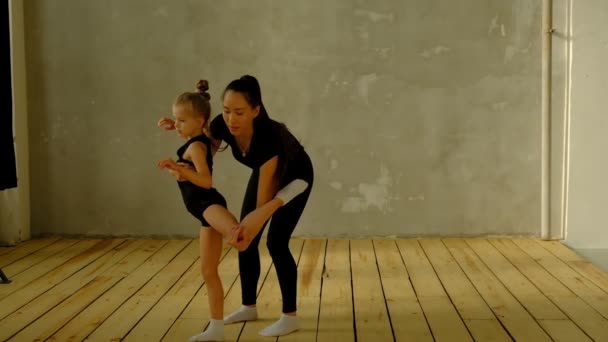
(267, 182)
(251, 224)
(244, 235)
(266, 204)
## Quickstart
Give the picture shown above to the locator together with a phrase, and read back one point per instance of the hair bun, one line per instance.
(202, 85)
(201, 88)
(249, 78)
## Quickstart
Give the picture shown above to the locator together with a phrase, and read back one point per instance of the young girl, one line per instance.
(193, 171)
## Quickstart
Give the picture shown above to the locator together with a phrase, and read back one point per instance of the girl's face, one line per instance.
(238, 113)
(188, 123)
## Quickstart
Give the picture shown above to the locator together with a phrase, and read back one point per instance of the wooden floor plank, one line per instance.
(336, 311)
(371, 316)
(72, 307)
(93, 250)
(21, 265)
(442, 317)
(463, 294)
(125, 258)
(162, 316)
(520, 324)
(130, 312)
(12, 254)
(88, 266)
(578, 263)
(52, 321)
(489, 330)
(578, 311)
(43, 268)
(477, 316)
(581, 286)
(154, 255)
(530, 268)
(581, 313)
(520, 287)
(310, 272)
(429, 289)
(408, 321)
(564, 331)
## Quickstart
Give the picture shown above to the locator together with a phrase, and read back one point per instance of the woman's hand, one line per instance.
(166, 123)
(253, 222)
(241, 238)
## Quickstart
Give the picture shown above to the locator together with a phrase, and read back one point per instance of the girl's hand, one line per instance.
(166, 123)
(168, 164)
(177, 175)
(185, 165)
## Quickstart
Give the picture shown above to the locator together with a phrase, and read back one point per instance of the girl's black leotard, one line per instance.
(196, 198)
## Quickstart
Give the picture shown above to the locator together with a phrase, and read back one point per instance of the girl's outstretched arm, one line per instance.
(166, 123)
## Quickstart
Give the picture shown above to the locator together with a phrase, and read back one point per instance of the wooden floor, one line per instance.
(364, 290)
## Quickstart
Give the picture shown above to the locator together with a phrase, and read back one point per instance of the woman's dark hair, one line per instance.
(249, 87)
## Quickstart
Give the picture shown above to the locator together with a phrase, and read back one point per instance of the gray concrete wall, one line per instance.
(587, 220)
(422, 117)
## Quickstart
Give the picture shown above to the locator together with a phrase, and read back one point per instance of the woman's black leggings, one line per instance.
(282, 225)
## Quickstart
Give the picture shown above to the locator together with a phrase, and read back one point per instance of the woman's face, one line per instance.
(238, 113)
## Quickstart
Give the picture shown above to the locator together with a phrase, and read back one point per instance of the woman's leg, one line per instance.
(249, 257)
(249, 261)
(282, 226)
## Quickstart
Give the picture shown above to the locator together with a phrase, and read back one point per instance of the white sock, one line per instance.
(285, 325)
(291, 190)
(245, 313)
(214, 332)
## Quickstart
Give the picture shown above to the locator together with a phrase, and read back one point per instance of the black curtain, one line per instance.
(8, 167)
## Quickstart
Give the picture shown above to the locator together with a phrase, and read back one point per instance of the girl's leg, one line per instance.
(210, 252)
(221, 220)
(210, 244)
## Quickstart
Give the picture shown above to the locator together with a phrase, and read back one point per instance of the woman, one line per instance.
(277, 159)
